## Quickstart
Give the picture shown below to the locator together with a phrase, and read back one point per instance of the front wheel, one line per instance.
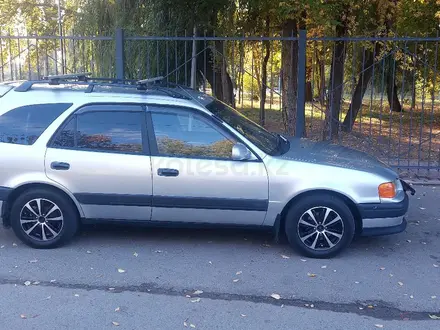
(320, 226)
(43, 218)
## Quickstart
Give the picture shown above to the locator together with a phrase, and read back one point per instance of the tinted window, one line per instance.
(24, 125)
(259, 136)
(103, 131)
(189, 135)
(66, 137)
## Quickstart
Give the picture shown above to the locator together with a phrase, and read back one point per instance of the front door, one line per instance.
(100, 154)
(194, 176)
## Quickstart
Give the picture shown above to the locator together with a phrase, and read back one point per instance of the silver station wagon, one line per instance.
(77, 150)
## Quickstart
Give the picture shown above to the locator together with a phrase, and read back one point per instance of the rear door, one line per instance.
(101, 155)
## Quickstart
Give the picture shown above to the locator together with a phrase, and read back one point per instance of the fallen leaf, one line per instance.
(434, 317)
(378, 325)
(117, 309)
(285, 257)
(88, 252)
(311, 275)
(235, 280)
(400, 283)
(192, 325)
(382, 268)
(195, 300)
(323, 267)
(116, 324)
(275, 296)
(33, 261)
(135, 254)
(23, 316)
(120, 270)
(239, 273)
(198, 292)
(27, 283)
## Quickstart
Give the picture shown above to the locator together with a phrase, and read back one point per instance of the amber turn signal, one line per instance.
(387, 190)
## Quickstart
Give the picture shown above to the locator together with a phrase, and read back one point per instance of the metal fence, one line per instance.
(379, 95)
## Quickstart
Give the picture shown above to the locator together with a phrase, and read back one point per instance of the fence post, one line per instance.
(119, 58)
(301, 96)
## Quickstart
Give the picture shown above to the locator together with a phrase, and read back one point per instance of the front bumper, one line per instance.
(384, 218)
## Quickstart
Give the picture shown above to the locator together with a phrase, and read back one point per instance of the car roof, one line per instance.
(79, 93)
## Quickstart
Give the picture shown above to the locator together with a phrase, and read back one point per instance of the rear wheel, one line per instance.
(320, 226)
(43, 218)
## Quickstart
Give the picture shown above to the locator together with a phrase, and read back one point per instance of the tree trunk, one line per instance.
(361, 88)
(266, 45)
(216, 73)
(289, 62)
(393, 98)
(336, 86)
(321, 66)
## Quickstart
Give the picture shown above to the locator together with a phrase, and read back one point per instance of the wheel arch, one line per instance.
(348, 201)
(17, 191)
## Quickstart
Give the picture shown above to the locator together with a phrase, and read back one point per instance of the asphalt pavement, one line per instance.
(131, 278)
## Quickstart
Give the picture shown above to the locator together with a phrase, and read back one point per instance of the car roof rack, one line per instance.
(55, 79)
(155, 83)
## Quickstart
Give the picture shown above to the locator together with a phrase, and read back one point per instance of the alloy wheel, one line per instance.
(320, 228)
(41, 219)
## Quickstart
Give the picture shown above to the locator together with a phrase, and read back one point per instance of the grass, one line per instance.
(408, 138)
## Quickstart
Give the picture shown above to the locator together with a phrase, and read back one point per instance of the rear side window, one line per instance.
(24, 125)
(107, 131)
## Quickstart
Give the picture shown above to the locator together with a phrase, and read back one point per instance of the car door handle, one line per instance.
(60, 166)
(167, 172)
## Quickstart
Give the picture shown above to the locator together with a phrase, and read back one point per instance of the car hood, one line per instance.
(330, 154)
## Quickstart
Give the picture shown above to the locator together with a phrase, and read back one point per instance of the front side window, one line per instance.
(258, 135)
(24, 125)
(185, 134)
(111, 131)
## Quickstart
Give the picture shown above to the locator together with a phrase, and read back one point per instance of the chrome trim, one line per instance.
(382, 222)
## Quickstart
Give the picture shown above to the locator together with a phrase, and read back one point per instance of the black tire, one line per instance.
(319, 203)
(67, 211)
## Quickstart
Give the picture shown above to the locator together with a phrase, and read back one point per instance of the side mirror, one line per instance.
(240, 152)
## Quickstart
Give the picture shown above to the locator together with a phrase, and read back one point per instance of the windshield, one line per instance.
(259, 136)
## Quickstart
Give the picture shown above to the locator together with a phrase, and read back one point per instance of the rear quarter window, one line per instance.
(24, 125)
